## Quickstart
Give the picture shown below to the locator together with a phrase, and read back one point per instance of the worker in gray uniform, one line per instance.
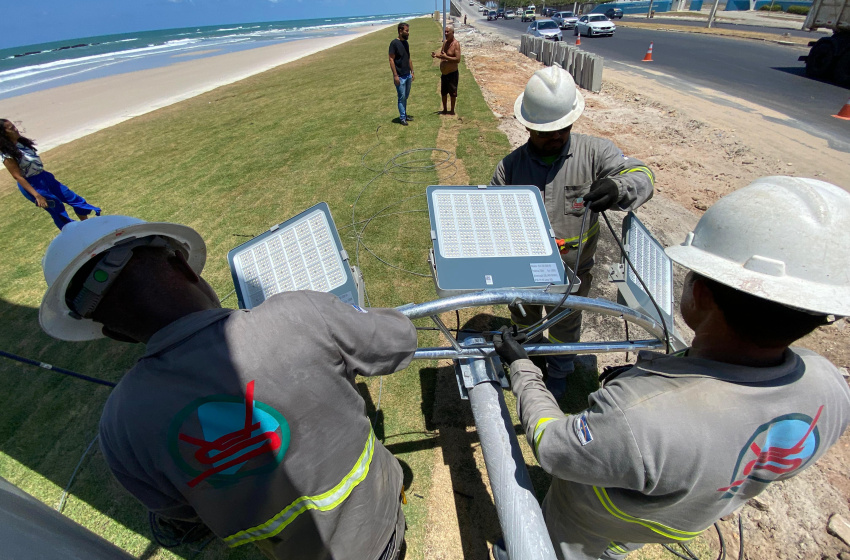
(248, 421)
(672, 444)
(574, 172)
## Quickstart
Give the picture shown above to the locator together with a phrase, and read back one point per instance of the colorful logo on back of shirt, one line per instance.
(776, 451)
(222, 438)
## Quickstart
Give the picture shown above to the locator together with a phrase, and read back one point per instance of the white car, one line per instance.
(565, 20)
(510, 14)
(480, 8)
(546, 28)
(594, 24)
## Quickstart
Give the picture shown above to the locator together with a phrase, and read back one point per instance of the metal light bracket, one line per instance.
(472, 371)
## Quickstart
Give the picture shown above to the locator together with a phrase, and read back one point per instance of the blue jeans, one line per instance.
(403, 90)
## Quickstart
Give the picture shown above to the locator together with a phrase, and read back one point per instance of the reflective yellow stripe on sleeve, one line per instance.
(538, 432)
(617, 548)
(322, 502)
(663, 530)
(591, 231)
(640, 169)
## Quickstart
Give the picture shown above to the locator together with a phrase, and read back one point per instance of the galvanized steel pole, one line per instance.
(712, 14)
(444, 20)
(523, 527)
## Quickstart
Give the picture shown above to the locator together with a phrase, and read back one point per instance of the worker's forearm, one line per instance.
(535, 404)
(393, 69)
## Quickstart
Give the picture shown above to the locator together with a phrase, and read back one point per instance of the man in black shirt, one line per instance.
(402, 68)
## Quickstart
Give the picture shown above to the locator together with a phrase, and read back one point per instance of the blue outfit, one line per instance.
(46, 185)
(54, 191)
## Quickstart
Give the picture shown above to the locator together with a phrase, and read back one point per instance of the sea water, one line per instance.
(36, 67)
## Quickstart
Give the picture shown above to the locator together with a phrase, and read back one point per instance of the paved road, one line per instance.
(764, 73)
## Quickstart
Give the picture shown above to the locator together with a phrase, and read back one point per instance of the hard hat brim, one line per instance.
(559, 124)
(53, 314)
(792, 291)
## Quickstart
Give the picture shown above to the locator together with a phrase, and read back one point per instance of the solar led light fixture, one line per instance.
(302, 253)
(655, 269)
(490, 238)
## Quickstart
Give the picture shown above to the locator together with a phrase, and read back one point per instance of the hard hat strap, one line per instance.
(105, 272)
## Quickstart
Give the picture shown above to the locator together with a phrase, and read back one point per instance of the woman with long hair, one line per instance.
(19, 155)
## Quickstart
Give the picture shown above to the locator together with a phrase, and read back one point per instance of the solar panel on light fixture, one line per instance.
(492, 237)
(302, 253)
(654, 267)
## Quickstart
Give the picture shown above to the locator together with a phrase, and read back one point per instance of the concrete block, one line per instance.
(560, 53)
(596, 74)
(570, 60)
(576, 69)
(585, 71)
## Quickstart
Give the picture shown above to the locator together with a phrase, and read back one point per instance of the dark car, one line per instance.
(614, 13)
(548, 12)
(500, 13)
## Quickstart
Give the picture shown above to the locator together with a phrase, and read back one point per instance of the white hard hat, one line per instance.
(779, 238)
(551, 101)
(77, 244)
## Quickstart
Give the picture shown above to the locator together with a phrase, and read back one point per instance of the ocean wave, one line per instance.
(35, 83)
(25, 71)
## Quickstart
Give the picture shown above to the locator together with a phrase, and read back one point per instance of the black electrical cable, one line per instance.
(572, 278)
(50, 367)
(740, 537)
(722, 542)
(394, 168)
(672, 551)
(721, 555)
(637, 275)
(690, 552)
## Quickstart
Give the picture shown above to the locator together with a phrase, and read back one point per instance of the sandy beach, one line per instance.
(59, 115)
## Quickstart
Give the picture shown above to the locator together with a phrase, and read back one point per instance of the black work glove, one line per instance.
(508, 345)
(603, 195)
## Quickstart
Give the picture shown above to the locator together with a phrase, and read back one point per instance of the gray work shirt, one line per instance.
(563, 183)
(674, 443)
(251, 421)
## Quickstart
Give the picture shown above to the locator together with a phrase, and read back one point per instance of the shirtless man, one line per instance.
(449, 56)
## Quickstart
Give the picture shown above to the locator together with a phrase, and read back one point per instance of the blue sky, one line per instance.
(42, 21)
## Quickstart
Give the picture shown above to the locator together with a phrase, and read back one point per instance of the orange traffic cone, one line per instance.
(648, 56)
(844, 113)
(578, 40)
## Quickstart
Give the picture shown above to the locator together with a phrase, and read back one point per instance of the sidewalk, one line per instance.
(778, 20)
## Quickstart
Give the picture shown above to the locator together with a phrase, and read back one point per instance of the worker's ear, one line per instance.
(702, 296)
(181, 265)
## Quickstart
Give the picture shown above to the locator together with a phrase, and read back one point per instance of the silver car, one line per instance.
(593, 25)
(565, 20)
(547, 29)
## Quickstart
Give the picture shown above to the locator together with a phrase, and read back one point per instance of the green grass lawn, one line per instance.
(231, 163)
